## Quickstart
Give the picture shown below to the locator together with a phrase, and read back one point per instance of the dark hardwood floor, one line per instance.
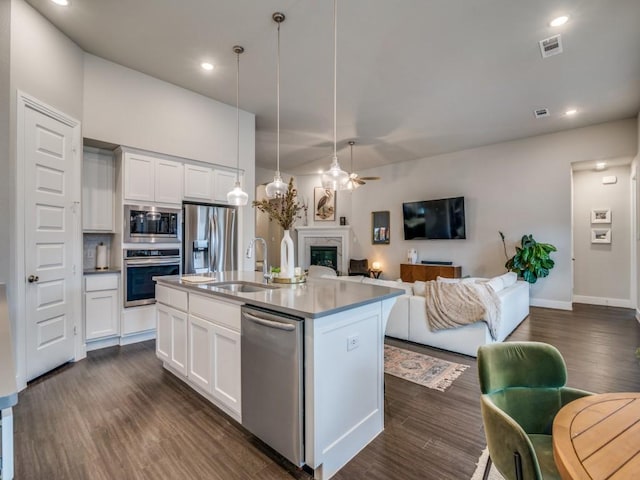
(119, 415)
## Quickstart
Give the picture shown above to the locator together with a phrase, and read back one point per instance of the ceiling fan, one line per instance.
(354, 180)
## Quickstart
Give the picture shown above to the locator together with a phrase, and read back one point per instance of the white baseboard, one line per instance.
(544, 303)
(102, 343)
(607, 302)
(138, 337)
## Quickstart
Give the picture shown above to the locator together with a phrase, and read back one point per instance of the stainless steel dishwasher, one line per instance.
(272, 376)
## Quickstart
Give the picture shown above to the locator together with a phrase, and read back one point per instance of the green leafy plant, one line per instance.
(532, 259)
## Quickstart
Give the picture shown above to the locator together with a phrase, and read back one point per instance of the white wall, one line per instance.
(6, 185)
(602, 272)
(518, 187)
(635, 166)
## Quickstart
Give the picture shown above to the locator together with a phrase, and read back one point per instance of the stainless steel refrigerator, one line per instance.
(209, 238)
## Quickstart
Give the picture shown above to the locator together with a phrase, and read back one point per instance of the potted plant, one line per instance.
(532, 259)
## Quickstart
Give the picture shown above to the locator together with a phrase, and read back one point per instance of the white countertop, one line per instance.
(315, 298)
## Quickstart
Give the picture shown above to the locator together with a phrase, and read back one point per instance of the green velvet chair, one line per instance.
(523, 388)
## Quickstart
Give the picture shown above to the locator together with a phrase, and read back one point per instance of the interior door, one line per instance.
(51, 222)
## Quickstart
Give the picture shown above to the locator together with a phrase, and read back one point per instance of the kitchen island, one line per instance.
(199, 339)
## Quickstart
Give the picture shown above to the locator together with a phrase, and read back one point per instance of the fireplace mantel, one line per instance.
(314, 235)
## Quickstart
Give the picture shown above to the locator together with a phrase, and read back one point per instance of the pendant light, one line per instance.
(335, 178)
(277, 188)
(237, 196)
(353, 182)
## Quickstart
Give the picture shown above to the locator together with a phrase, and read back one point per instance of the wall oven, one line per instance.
(140, 266)
(151, 224)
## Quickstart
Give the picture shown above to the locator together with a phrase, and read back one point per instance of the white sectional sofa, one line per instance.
(408, 321)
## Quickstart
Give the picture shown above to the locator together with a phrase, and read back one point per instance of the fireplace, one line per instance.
(334, 237)
(324, 255)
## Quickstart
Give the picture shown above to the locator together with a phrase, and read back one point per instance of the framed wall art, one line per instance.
(600, 235)
(380, 228)
(324, 204)
(601, 215)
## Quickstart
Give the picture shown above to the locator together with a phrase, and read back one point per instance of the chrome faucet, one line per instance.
(265, 273)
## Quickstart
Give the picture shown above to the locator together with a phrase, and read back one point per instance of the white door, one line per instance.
(200, 352)
(226, 367)
(168, 184)
(51, 231)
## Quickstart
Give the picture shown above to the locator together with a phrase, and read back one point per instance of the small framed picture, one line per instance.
(324, 204)
(601, 215)
(600, 235)
(380, 228)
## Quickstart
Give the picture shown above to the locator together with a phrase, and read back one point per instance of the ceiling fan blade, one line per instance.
(359, 181)
(369, 178)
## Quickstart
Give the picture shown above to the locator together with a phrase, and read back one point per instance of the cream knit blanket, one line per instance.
(451, 305)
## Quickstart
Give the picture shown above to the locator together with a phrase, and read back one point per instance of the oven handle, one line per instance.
(142, 262)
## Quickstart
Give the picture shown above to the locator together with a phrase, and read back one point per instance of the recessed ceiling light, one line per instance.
(62, 3)
(556, 22)
(207, 66)
(601, 165)
(571, 111)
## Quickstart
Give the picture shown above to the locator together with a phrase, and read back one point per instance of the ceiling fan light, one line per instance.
(277, 188)
(335, 178)
(237, 196)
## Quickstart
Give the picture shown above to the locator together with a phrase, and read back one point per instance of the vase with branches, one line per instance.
(284, 209)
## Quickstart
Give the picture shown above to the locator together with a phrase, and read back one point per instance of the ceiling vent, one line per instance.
(551, 46)
(541, 112)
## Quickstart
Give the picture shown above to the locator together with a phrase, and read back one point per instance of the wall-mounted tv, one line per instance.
(434, 219)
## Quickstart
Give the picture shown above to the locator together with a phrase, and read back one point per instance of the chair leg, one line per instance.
(487, 468)
(518, 461)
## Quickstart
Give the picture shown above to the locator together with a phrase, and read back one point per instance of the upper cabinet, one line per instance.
(98, 172)
(224, 181)
(149, 179)
(198, 182)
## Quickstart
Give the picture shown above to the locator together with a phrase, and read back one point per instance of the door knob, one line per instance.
(33, 278)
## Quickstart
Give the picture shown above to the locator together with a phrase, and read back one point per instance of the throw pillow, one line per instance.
(418, 288)
(496, 284)
(448, 280)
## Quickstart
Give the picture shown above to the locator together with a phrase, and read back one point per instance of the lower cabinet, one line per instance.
(203, 344)
(101, 306)
(171, 337)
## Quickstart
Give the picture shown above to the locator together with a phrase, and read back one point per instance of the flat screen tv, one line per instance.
(434, 219)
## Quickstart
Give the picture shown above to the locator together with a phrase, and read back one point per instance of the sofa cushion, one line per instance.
(509, 278)
(407, 287)
(496, 283)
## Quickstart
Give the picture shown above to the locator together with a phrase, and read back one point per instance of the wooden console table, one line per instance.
(410, 272)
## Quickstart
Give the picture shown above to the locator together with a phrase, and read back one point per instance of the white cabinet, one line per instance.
(214, 341)
(223, 183)
(151, 179)
(168, 186)
(171, 337)
(226, 385)
(101, 306)
(198, 182)
(98, 171)
(211, 343)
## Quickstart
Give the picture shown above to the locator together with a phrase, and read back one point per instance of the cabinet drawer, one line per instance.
(172, 297)
(101, 281)
(223, 313)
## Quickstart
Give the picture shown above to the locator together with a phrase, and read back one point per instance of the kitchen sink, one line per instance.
(243, 287)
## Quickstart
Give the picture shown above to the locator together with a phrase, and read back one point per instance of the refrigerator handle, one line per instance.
(213, 243)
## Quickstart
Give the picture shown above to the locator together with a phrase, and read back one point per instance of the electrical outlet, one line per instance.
(353, 342)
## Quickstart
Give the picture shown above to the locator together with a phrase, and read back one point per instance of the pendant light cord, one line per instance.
(278, 107)
(238, 117)
(335, 73)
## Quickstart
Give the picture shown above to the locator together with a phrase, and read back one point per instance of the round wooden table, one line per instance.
(598, 437)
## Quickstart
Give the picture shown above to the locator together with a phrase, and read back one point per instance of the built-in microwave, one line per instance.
(143, 224)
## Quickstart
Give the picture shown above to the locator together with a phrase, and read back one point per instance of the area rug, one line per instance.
(480, 466)
(421, 369)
